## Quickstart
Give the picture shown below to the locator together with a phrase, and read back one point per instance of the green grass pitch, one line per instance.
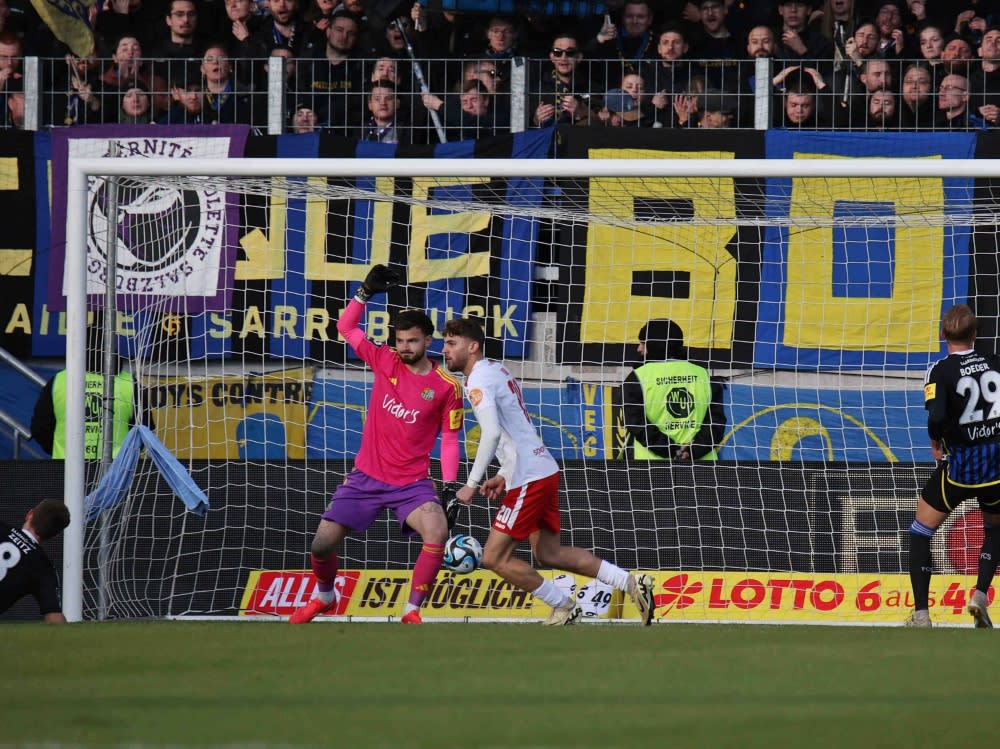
(471, 686)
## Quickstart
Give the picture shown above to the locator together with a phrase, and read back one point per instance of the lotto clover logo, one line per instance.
(680, 593)
(680, 402)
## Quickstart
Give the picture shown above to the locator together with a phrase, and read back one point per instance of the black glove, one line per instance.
(451, 503)
(379, 278)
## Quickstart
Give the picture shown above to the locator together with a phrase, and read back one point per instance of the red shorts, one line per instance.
(532, 507)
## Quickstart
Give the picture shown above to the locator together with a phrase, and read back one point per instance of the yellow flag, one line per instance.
(68, 21)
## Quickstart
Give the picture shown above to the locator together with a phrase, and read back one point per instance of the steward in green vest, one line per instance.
(672, 408)
(48, 422)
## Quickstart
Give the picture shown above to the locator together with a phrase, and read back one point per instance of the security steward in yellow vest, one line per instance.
(48, 422)
(672, 408)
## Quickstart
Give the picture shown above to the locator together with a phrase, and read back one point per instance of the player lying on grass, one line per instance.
(527, 485)
(412, 400)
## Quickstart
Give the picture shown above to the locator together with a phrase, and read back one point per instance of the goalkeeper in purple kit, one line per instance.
(412, 399)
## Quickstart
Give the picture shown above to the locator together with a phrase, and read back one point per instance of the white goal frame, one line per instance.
(80, 169)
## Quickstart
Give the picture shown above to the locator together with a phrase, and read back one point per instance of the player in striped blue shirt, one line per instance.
(962, 398)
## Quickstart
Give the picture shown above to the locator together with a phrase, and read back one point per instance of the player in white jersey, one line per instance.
(527, 485)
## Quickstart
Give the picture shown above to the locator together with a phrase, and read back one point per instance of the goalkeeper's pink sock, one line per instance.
(424, 572)
(325, 571)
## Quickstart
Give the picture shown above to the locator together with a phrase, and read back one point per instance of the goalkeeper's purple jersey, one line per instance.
(405, 413)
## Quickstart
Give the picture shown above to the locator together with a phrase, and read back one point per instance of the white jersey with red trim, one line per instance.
(498, 404)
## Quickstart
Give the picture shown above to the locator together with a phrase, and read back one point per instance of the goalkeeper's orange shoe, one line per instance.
(310, 611)
(412, 618)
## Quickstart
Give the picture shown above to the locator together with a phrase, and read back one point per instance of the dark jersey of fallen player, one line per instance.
(962, 398)
(25, 569)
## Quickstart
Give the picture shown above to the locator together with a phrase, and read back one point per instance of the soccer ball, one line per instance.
(462, 554)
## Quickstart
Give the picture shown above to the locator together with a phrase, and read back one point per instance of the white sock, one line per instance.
(326, 595)
(614, 576)
(410, 607)
(551, 594)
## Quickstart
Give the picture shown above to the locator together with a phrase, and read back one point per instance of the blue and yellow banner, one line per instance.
(846, 295)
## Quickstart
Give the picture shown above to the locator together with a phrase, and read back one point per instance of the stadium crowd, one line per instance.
(410, 74)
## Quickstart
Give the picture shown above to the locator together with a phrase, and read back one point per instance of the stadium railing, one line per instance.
(742, 88)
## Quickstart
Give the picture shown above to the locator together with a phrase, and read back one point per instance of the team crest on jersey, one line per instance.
(427, 394)
(475, 396)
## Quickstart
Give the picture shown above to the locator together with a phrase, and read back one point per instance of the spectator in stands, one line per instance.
(717, 49)
(892, 41)
(864, 43)
(304, 120)
(226, 99)
(141, 19)
(502, 39)
(916, 106)
(882, 113)
(369, 28)
(237, 34)
(630, 45)
(628, 106)
(384, 125)
(953, 105)
(11, 59)
(334, 86)
(11, 79)
(686, 110)
(389, 69)
(972, 22)
(385, 69)
(183, 41)
(186, 107)
(136, 106)
(837, 24)
(796, 40)
(851, 105)
(127, 69)
(318, 14)
(483, 72)
(672, 73)
(284, 29)
(291, 88)
(761, 44)
(984, 82)
(717, 110)
(14, 116)
(82, 103)
(931, 45)
(490, 74)
(801, 108)
(562, 98)
(392, 42)
(619, 109)
(956, 55)
(474, 119)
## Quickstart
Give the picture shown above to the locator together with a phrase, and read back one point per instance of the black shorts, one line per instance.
(944, 495)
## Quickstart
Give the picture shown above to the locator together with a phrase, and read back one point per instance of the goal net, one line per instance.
(811, 289)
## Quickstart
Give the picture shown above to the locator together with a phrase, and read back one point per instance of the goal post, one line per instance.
(569, 202)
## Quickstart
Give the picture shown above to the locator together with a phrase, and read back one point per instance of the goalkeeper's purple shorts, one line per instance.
(359, 500)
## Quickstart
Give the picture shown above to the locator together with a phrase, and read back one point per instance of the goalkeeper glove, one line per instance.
(379, 278)
(451, 503)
